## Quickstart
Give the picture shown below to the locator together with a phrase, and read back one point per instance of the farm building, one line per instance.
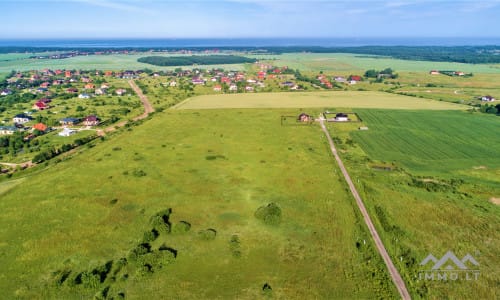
(303, 117)
(341, 117)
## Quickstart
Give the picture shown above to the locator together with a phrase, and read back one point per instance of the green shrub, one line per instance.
(269, 214)
(207, 234)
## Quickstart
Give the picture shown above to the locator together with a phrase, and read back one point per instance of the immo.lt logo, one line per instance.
(449, 268)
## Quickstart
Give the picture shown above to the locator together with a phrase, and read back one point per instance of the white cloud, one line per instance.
(123, 6)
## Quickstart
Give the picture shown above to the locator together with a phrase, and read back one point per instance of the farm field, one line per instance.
(350, 99)
(70, 230)
(429, 180)
(344, 62)
(431, 141)
(306, 62)
(100, 62)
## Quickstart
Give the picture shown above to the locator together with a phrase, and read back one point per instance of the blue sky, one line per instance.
(248, 18)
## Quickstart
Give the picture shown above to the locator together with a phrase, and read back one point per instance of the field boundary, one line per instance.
(396, 277)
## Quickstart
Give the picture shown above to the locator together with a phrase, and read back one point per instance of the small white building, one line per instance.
(84, 96)
(67, 132)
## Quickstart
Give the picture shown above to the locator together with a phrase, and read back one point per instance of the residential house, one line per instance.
(303, 117)
(101, 91)
(69, 121)
(67, 73)
(40, 127)
(7, 130)
(89, 86)
(108, 73)
(355, 78)
(487, 98)
(72, 90)
(86, 79)
(217, 88)
(91, 121)
(21, 119)
(434, 72)
(6, 92)
(198, 81)
(249, 88)
(39, 105)
(225, 80)
(233, 88)
(45, 84)
(121, 92)
(173, 83)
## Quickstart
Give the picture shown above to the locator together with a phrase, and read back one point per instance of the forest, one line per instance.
(195, 60)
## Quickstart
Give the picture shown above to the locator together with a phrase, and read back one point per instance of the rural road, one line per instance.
(396, 277)
(148, 108)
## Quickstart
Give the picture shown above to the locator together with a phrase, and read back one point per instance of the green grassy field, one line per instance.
(94, 208)
(349, 99)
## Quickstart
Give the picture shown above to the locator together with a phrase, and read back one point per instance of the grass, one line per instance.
(351, 99)
(214, 178)
(430, 141)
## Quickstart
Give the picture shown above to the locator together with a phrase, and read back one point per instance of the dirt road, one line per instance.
(396, 277)
(148, 108)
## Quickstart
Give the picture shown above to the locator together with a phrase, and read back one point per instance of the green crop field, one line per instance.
(429, 180)
(9, 62)
(350, 99)
(431, 140)
(65, 230)
(341, 63)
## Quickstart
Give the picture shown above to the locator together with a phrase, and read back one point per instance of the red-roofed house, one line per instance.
(217, 88)
(91, 121)
(40, 127)
(39, 105)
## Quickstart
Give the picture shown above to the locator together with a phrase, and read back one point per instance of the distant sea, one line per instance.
(248, 42)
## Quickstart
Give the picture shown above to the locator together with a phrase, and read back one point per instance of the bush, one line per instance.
(150, 236)
(161, 221)
(182, 227)
(207, 234)
(270, 214)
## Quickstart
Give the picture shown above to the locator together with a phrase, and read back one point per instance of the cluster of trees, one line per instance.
(490, 109)
(53, 152)
(388, 72)
(195, 60)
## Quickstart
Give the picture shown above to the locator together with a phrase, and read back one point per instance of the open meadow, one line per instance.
(91, 224)
(350, 99)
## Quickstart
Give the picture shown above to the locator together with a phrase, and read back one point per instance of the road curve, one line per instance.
(396, 277)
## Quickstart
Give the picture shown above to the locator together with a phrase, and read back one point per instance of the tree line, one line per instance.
(195, 60)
